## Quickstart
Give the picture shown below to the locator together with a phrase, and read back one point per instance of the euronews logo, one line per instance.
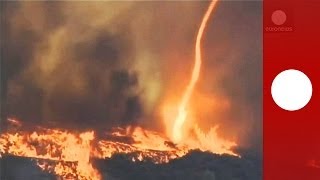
(279, 22)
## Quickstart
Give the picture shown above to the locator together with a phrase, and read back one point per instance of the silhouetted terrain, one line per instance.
(194, 166)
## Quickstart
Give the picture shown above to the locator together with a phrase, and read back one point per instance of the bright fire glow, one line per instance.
(182, 112)
(64, 153)
(69, 154)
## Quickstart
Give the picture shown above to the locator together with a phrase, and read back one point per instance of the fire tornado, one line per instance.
(182, 112)
(70, 154)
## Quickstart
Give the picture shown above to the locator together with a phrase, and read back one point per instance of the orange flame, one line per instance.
(182, 112)
(69, 154)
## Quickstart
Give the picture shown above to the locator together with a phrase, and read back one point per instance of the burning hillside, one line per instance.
(69, 154)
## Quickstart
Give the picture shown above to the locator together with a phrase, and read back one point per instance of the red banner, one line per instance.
(291, 40)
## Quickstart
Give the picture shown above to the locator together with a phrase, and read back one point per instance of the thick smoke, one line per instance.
(102, 64)
(233, 67)
(68, 62)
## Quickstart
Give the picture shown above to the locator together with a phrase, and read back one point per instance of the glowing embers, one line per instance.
(64, 153)
(69, 154)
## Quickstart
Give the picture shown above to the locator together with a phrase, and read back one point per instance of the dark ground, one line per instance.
(194, 166)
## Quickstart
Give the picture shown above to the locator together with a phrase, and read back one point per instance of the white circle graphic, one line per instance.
(291, 90)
